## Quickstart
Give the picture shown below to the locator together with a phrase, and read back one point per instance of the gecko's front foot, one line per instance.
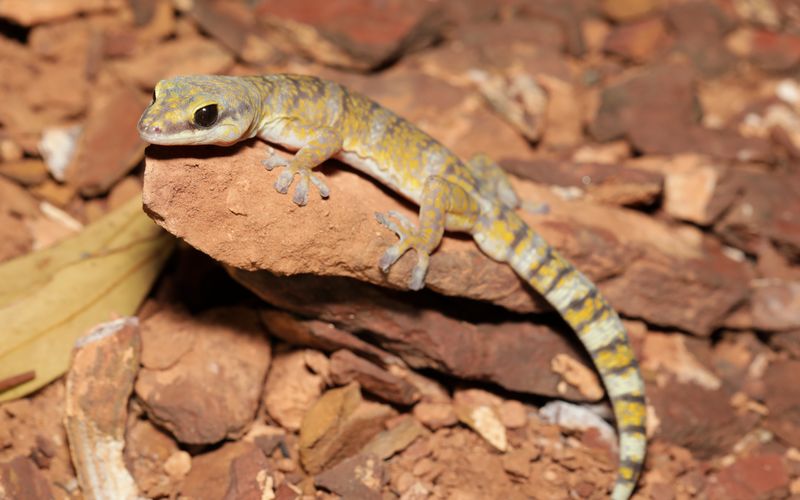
(286, 178)
(409, 239)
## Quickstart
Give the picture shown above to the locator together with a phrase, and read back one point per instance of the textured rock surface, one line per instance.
(174, 347)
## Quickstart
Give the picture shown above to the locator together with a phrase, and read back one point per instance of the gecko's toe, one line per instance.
(323, 189)
(284, 181)
(300, 196)
(273, 162)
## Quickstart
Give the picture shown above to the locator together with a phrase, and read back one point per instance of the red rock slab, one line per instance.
(337, 426)
(516, 355)
(699, 419)
(189, 190)
(20, 478)
(109, 145)
(210, 476)
(356, 34)
(656, 109)
(346, 367)
(202, 376)
(248, 477)
(603, 183)
(768, 207)
(322, 335)
(183, 56)
(761, 475)
(782, 398)
(361, 476)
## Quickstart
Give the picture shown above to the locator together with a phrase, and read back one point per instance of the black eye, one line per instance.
(206, 116)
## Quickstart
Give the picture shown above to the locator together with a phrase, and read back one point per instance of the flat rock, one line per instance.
(704, 421)
(361, 476)
(20, 478)
(338, 425)
(197, 400)
(109, 145)
(768, 207)
(613, 184)
(760, 475)
(211, 473)
(346, 367)
(516, 355)
(635, 108)
(188, 190)
(783, 400)
(354, 34)
(402, 432)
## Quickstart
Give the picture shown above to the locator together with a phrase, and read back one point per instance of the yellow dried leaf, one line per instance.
(50, 298)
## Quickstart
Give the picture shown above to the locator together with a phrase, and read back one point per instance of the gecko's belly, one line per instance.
(389, 177)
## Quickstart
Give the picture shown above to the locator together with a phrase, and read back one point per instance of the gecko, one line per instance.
(319, 119)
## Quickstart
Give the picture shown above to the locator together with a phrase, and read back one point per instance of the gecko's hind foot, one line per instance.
(405, 230)
(286, 177)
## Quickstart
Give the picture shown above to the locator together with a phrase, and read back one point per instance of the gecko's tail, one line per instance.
(596, 323)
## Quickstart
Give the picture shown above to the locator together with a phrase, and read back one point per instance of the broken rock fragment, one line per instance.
(361, 476)
(337, 426)
(346, 367)
(293, 385)
(202, 399)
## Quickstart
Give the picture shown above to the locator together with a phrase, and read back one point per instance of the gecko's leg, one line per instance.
(320, 144)
(443, 206)
(493, 181)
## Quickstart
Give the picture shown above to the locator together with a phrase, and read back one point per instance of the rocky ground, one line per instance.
(272, 359)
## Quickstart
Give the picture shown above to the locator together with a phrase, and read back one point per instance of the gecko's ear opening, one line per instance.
(206, 116)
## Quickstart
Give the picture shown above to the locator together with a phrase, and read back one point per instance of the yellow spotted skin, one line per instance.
(320, 119)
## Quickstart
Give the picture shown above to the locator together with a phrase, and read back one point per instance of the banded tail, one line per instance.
(509, 239)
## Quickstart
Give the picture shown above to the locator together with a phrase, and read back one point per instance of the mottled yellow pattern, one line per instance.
(320, 119)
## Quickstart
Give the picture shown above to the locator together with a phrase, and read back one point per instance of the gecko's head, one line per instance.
(201, 109)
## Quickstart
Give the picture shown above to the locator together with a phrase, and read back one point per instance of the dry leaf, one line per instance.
(50, 298)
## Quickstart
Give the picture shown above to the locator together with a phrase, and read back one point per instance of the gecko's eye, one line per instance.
(206, 116)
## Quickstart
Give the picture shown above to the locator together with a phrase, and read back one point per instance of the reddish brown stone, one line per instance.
(346, 367)
(663, 98)
(699, 29)
(604, 183)
(20, 478)
(703, 420)
(775, 304)
(768, 207)
(361, 476)
(355, 34)
(515, 355)
(782, 398)
(109, 145)
(638, 41)
(755, 476)
(337, 426)
(210, 476)
(247, 473)
(199, 401)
